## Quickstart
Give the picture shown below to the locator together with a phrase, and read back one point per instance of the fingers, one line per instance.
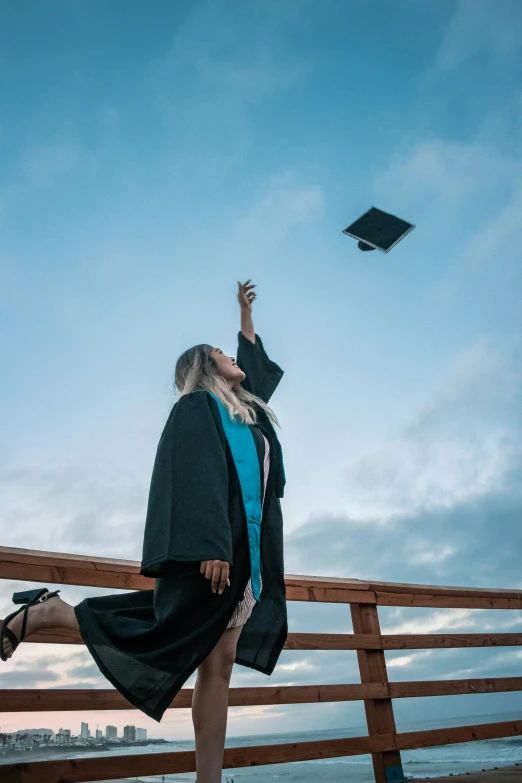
(217, 571)
(245, 287)
(219, 579)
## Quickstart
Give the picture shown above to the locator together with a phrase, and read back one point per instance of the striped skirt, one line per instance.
(245, 606)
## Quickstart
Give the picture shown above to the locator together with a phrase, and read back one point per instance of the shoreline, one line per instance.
(510, 774)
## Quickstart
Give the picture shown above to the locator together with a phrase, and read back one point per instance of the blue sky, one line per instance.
(150, 158)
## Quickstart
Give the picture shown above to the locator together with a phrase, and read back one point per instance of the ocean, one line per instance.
(424, 763)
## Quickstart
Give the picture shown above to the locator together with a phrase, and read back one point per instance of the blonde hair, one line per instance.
(197, 369)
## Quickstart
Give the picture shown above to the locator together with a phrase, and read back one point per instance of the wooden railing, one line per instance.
(383, 741)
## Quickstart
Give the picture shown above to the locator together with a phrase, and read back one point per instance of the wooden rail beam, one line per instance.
(62, 568)
(340, 641)
(387, 764)
(82, 699)
(49, 699)
(430, 738)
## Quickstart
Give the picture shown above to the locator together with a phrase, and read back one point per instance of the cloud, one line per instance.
(89, 671)
(90, 507)
(461, 445)
(285, 204)
(406, 660)
(27, 679)
(448, 175)
(441, 501)
(481, 27)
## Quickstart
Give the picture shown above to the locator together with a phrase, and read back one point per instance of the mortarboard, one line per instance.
(378, 229)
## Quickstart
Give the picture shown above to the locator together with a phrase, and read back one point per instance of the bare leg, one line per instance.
(210, 706)
(53, 613)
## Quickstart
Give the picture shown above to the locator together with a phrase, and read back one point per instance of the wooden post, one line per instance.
(387, 765)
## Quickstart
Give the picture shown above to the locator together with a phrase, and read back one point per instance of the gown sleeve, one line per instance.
(262, 374)
(187, 514)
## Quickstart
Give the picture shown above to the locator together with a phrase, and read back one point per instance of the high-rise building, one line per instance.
(141, 734)
(99, 733)
(129, 733)
(85, 733)
(111, 732)
(64, 736)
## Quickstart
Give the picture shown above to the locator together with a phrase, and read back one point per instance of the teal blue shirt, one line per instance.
(244, 453)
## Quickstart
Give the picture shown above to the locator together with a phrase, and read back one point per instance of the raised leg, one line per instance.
(210, 706)
(54, 613)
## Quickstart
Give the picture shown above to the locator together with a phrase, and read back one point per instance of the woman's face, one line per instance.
(227, 367)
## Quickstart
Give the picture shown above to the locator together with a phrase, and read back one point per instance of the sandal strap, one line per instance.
(12, 638)
(6, 632)
(24, 621)
(38, 598)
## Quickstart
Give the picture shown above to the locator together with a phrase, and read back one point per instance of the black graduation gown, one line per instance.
(148, 643)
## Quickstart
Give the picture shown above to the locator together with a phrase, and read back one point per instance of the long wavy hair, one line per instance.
(197, 369)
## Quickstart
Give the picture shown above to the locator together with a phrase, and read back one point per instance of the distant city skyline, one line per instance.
(111, 732)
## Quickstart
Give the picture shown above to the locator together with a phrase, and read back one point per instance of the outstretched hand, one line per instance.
(245, 295)
(217, 571)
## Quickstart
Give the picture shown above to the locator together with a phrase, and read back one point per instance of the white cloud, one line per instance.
(434, 621)
(303, 665)
(73, 507)
(420, 556)
(446, 175)
(481, 27)
(285, 204)
(459, 446)
(405, 660)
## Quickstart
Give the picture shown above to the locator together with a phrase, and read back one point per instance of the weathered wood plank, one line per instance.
(55, 568)
(332, 641)
(408, 690)
(444, 641)
(64, 568)
(79, 770)
(445, 601)
(341, 641)
(412, 740)
(294, 641)
(379, 712)
(49, 699)
(330, 595)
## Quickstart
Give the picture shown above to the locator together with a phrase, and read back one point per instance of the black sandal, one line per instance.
(28, 598)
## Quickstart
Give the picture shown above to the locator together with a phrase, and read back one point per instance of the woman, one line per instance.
(213, 540)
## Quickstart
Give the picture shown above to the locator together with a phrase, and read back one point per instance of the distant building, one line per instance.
(85, 733)
(129, 733)
(64, 736)
(99, 734)
(111, 732)
(141, 734)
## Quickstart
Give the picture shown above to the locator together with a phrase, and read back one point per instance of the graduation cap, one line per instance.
(378, 229)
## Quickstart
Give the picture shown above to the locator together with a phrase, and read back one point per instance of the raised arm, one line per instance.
(246, 298)
(262, 374)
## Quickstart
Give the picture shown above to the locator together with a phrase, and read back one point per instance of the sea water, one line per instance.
(423, 763)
